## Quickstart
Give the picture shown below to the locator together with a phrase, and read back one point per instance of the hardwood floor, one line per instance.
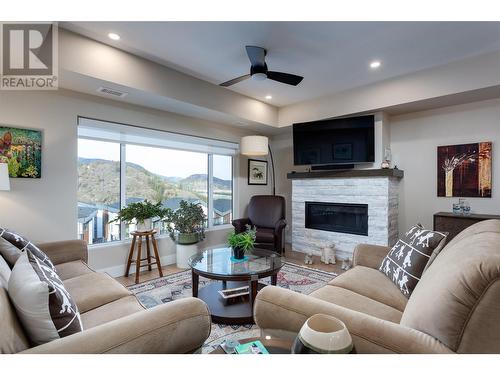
(290, 256)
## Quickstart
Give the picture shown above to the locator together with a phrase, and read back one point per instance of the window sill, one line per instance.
(128, 241)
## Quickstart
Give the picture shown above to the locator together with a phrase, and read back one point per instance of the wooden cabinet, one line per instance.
(455, 223)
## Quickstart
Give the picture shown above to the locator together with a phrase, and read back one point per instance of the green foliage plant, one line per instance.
(244, 240)
(188, 218)
(141, 211)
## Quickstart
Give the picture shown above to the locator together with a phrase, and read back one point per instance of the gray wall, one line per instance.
(46, 209)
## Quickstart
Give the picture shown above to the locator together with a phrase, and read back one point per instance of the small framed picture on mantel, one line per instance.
(257, 172)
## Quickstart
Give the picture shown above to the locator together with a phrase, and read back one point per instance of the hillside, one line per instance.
(98, 182)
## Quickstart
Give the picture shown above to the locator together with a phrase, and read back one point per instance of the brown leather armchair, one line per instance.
(267, 214)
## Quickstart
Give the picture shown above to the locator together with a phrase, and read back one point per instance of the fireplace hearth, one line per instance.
(337, 217)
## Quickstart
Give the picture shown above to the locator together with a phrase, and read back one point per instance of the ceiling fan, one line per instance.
(259, 72)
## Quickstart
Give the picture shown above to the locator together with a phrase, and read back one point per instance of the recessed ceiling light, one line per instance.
(114, 36)
(375, 64)
(269, 97)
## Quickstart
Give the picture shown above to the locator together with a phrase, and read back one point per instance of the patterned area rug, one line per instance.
(170, 288)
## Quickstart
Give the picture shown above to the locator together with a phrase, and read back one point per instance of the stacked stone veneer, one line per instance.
(379, 193)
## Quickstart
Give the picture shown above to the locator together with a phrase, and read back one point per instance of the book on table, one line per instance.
(253, 347)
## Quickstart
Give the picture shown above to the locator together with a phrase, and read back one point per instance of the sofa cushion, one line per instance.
(406, 261)
(72, 269)
(111, 311)
(95, 289)
(354, 301)
(371, 283)
(12, 337)
(457, 301)
(23, 244)
(43, 304)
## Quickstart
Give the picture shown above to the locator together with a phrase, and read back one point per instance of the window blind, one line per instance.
(109, 131)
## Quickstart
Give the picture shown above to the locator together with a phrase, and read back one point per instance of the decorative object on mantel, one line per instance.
(455, 223)
(464, 170)
(4, 177)
(346, 264)
(257, 172)
(323, 334)
(386, 163)
(328, 254)
(308, 258)
(21, 150)
(258, 145)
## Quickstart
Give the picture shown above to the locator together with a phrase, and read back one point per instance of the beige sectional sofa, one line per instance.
(455, 307)
(113, 319)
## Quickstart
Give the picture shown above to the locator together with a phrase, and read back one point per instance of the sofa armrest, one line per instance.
(277, 308)
(176, 327)
(240, 224)
(65, 251)
(369, 255)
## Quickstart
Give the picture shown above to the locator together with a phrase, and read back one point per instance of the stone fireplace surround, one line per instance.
(378, 188)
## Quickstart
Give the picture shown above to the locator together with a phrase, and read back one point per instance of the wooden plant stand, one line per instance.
(151, 259)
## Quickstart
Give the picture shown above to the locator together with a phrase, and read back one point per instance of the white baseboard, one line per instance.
(117, 271)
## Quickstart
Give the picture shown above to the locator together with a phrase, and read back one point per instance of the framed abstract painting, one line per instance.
(21, 150)
(464, 170)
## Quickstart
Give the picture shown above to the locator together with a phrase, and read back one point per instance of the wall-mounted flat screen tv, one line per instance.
(337, 141)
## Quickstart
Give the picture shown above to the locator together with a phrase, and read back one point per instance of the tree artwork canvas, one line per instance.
(21, 150)
(464, 170)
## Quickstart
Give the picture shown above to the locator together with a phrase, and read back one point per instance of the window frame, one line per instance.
(210, 206)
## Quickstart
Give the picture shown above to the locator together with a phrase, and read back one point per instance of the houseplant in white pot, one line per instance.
(142, 214)
(186, 228)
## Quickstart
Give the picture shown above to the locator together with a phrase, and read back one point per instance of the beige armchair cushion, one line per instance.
(373, 284)
(111, 311)
(94, 289)
(457, 300)
(354, 301)
(72, 269)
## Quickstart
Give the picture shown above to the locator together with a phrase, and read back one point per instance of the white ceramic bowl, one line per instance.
(323, 333)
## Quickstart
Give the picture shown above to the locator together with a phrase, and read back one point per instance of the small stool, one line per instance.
(137, 237)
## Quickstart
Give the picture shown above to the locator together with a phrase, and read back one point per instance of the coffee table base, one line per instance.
(227, 313)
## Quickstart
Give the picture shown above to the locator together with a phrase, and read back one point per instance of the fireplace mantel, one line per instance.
(398, 173)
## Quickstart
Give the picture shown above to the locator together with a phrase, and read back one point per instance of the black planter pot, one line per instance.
(238, 253)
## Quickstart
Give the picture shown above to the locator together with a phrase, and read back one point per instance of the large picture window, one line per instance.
(113, 174)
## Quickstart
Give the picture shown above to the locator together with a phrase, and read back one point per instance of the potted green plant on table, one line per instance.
(142, 214)
(186, 228)
(240, 243)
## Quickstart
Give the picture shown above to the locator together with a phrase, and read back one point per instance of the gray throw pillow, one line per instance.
(408, 258)
(44, 306)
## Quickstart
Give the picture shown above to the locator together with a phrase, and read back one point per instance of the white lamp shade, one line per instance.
(254, 145)
(4, 177)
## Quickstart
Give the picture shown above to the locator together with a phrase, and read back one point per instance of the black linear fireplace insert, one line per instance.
(337, 217)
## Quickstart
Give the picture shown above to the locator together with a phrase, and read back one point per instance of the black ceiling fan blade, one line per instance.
(257, 55)
(235, 80)
(289, 79)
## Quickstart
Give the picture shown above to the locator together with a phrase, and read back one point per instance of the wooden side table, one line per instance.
(137, 238)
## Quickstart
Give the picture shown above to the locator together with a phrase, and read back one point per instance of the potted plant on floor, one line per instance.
(186, 228)
(142, 214)
(240, 243)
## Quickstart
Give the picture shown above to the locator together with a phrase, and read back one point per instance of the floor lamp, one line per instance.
(258, 145)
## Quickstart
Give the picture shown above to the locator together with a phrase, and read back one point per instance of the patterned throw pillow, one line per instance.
(22, 245)
(43, 304)
(408, 258)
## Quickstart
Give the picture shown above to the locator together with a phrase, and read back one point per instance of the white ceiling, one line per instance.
(332, 56)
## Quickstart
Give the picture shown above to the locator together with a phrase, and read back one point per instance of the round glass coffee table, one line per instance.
(230, 301)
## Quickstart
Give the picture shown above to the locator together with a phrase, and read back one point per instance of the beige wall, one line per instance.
(414, 141)
(46, 209)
